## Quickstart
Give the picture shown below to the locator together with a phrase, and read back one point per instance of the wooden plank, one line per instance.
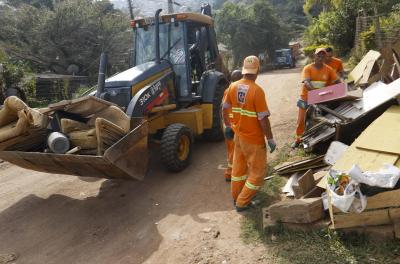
(366, 218)
(304, 184)
(315, 192)
(375, 233)
(317, 225)
(299, 164)
(383, 134)
(297, 211)
(384, 199)
(397, 230)
(394, 214)
(358, 72)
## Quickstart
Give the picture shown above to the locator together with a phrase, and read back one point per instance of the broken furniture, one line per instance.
(101, 127)
(21, 127)
(332, 93)
(346, 121)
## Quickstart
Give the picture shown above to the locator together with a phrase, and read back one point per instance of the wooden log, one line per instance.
(297, 211)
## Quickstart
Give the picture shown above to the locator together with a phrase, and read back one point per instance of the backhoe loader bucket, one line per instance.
(126, 159)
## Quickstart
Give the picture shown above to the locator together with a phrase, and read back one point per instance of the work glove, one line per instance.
(272, 145)
(229, 134)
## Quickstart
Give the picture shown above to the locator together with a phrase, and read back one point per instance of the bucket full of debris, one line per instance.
(84, 137)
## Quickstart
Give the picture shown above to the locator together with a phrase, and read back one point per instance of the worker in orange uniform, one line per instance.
(334, 62)
(247, 102)
(315, 76)
(236, 75)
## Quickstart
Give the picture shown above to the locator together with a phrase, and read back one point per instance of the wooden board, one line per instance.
(384, 199)
(360, 70)
(397, 230)
(304, 184)
(383, 134)
(297, 211)
(375, 233)
(368, 218)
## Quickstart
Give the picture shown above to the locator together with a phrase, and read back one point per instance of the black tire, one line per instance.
(216, 133)
(172, 156)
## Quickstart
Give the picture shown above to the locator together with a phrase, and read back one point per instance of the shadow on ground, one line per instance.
(119, 225)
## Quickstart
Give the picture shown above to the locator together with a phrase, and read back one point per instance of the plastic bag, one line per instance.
(386, 177)
(348, 200)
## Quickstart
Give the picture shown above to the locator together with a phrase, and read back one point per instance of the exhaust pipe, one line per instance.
(102, 74)
(157, 35)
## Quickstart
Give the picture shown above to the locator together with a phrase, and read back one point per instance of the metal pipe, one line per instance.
(157, 35)
(102, 74)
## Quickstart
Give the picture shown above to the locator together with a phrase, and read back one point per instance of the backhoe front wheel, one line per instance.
(176, 147)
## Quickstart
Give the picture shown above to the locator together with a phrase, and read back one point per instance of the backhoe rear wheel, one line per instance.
(176, 147)
(215, 133)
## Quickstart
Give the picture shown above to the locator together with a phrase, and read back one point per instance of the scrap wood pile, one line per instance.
(358, 191)
(86, 126)
(343, 111)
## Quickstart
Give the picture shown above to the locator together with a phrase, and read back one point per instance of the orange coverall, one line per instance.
(335, 64)
(248, 104)
(319, 78)
(229, 146)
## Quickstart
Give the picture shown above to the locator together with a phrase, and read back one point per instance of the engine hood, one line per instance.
(136, 74)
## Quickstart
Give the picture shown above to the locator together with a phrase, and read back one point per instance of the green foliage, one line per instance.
(367, 39)
(250, 29)
(292, 14)
(15, 74)
(336, 26)
(74, 32)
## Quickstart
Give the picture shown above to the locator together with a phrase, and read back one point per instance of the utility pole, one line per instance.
(170, 6)
(130, 9)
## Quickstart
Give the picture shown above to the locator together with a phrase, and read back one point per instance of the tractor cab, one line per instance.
(177, 48)
(186, 41)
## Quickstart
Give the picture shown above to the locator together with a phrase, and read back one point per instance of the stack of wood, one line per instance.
(300, 166)
(21, 127)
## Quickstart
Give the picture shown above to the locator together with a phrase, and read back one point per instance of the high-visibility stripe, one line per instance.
(229, 165)
(318, 84)
(240, 178)
(251, 186)
(230, 115)
(244, 112)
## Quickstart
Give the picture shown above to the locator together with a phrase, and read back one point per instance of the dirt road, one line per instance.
(167, 218)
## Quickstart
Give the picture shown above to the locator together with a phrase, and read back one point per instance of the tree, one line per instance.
(74, 33)
(337, 26)
(250, 29)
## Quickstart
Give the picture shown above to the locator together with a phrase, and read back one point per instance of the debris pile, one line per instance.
(90, 125)
(352, 187)
(359, 189)
(86, 137)
(371, 88)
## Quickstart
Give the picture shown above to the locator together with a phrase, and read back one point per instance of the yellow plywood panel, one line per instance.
(367, 160)
(383, 134)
